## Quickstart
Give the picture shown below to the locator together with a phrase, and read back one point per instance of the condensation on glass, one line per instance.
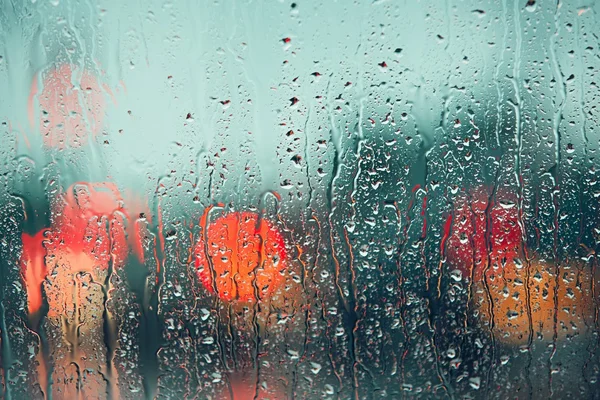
(299, 199)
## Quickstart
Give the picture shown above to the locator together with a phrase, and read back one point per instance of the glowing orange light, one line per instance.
(71, 106)
(508, 292)
(486, 244)
(242, 386)
(246, 257)
(139, 219)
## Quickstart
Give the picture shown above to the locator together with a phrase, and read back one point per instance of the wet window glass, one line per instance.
(299, 199)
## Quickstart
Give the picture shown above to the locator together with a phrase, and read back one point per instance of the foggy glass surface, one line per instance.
(299, 199)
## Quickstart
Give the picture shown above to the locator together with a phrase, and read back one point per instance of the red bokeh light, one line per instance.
(88, 233)
(246, 253)
(81, 226)
(72, 259)
(483, 225)
(71, 106)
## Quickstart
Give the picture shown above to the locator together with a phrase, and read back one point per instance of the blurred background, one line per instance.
(299, 199)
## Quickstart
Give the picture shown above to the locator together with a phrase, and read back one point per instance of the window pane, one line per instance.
(299, 199)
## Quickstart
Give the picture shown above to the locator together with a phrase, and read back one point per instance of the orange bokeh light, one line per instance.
(570, 292)
(486, 245)
(33, 267)
(71, 106)
(243, 386)
(246, 254)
